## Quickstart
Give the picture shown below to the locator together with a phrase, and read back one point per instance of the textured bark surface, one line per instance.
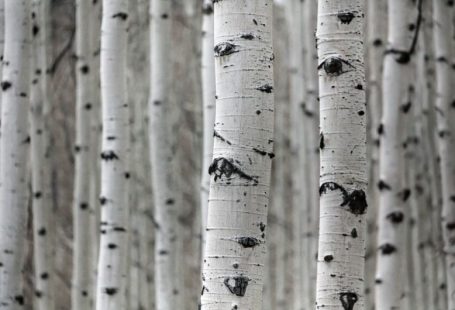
(83, 286)
(234, 256)
(393, 195)
(343, 181)
(115, 176)
(43, 216)
(443, 46)
(14, 148)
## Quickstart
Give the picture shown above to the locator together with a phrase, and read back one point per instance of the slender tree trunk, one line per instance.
(14, 149)
(163, 145)
(112, 266)
(43, 236)
(234, 256)
(82, 282)
(343, 180)
(443, 45)
(208, 89)
(2, 40)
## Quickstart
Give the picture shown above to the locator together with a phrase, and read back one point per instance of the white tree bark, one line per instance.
(14, 149)
(2, 40)
(43, 233)
(392, 211)
(82, 289)
(343, 180)
(445, 112)
(208, 90)
(234, 256)
(167, 198)
(112, 266)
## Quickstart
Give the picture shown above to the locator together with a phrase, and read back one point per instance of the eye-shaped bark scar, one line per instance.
(333, 65)
(355, 201)
(348, 300)
(222, 166)
(224, 49)
(239, 287)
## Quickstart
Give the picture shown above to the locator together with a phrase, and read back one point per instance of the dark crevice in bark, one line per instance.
(222, 166)
(224, 49)
(109, 155)
(248, 242)
(247, 36)
(121, 15)
(217, 135)
(348, 300)
(345, 17)
(239, 287)
(321, 141)
(265, 88)
(263, 153)
(354, 233)
(110, 291)
(356, 200)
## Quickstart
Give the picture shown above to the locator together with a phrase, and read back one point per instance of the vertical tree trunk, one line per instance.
(163, 147)
(392, 212)
(443, 45)
(234, 255)
(112, 266)
(43, 233)
(208, 90)
(343, 180)
(82, 283)
(14, 149)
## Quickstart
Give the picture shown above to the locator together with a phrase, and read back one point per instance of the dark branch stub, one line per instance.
(348, 300)
(248, 242)
(239, 287)
(345, 17)
(224, 49)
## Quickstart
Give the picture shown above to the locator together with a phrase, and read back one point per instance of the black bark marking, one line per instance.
(263, 153)
(345, 17)
(443, 133)
(164, 16)
(377, 42)
(262, 226)
(224, 49)
(361, 113)
(383, 186)
(378, 281)
(354, 233)
(119, 229)
(26, 140)
(44, 276)
(359, 87)
(239, 288)
(207, 9)
(5, 85)
(381, 129)
(103, 200)
(109, 155)
(163, 252)
(203, 290)
(333, 66)
(23, 95)
(247, 36)
(84, 293)
(254, 21)
(356, 200)
(127, 175)
(406, 107)
(83, 206)
(265, 88)
(348, 300)
(19, 299)
(37, 195)
(85, 69)
(38, 294)
(225, 166)
(387, 249)
(450, 226)
(217, 135)
(321, 141)
(405, 194)
(403, 57)
(248, 242)
(328, 258)
(395, 217)
(88, 106)
(111, 246)
(110, 291)
(170, 201)
(121, 15)
(35, 30)
(42, 231)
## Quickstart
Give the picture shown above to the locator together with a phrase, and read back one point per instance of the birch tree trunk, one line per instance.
(2, 40)
(443, 45)
(343, 180)
(82, 285)
(43, 232)
(14, 149)
(163, 147)
(208, 90)
(112, 266)
(392, 212)
(234, 256)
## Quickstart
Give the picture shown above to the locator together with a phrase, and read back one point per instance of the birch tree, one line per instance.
(82, 284)
(208, 90)
(343, 203)
(393, 195)
(43, 232)
(112, 266)
(14, 149)
(234, 256)
(443, 46)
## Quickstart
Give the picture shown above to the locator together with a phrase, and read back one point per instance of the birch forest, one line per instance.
(227, 154)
